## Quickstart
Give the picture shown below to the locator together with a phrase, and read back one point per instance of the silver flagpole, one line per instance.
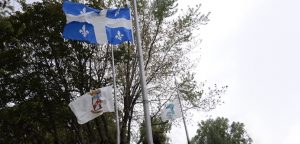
(115, 97)
(183, 118)
(142, 76)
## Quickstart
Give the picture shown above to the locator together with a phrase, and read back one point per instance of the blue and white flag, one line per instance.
(171, 111)
(107, 26)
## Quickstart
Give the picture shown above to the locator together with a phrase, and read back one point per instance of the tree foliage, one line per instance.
(40, 73)
(219, 131)
(159, 132)
(5, 7)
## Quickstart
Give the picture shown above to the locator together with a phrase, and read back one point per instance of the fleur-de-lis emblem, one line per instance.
(84, 31)
(119, 35)
(83, 11)
(117, 12)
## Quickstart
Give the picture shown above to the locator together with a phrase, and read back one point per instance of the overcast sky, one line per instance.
(253, 47)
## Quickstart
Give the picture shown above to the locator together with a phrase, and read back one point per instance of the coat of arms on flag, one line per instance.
(97, 100)
(92, 104)
(106, 26)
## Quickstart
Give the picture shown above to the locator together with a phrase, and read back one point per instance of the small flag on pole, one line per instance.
(171, 111)
(92, 104)
(106, 26)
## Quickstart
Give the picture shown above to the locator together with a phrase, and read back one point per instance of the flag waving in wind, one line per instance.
(92, 104)
(171, 111)
(107, 26)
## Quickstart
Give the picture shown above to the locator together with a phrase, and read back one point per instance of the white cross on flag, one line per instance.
(107, 26)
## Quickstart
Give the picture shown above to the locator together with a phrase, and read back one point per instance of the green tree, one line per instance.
(40, 73)
(159, 132)
(5, 8)
(219, 131)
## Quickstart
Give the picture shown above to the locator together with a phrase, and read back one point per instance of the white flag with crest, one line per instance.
(92, 104)
(171, 111)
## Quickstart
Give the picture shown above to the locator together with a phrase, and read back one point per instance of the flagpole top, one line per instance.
(127, 4)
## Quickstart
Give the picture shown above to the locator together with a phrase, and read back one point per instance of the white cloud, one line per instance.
(253, 46)
(293, 135)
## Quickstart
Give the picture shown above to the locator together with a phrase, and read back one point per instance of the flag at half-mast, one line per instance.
(92, 104)
(171, 111)
(106, 26)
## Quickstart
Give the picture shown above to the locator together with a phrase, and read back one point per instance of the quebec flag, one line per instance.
(107, 26)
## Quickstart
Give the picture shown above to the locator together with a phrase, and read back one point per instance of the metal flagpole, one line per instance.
(183, 118)
(115, 97)
(142, 75)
